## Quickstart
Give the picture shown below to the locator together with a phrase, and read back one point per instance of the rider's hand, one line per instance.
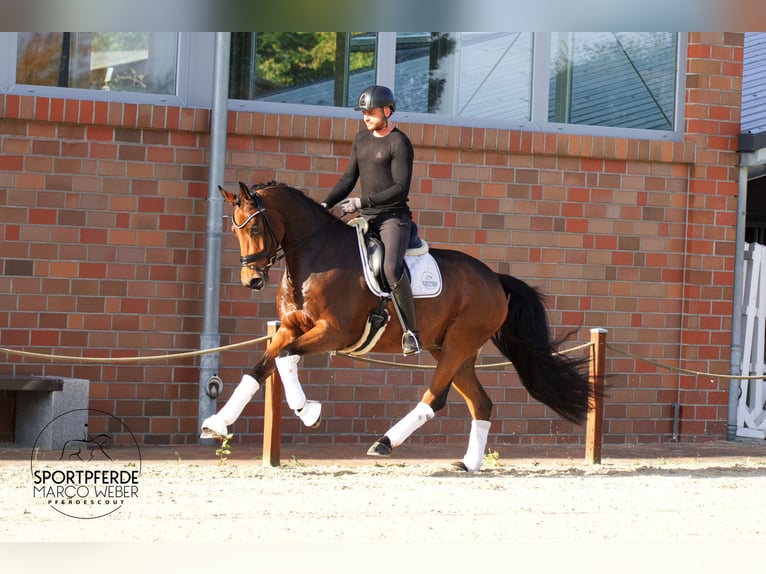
(351, 205)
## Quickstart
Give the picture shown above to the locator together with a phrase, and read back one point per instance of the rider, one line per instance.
(382, 157)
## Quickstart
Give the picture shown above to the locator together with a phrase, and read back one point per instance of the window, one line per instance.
(503, 79)
(479, 75)
(321, 69)
(120, 61)
(588, 83)
(614, 79)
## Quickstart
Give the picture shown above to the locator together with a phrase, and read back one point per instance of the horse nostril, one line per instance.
(256, 284)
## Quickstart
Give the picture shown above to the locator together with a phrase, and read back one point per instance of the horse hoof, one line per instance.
(310, 414)
(459, 465)
(214, 427)
(381, 447)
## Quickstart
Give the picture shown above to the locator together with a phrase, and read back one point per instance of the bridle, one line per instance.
(271, 253)
(276, 251)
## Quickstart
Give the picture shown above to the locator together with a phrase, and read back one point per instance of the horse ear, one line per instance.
(245, 191)
(230, 197)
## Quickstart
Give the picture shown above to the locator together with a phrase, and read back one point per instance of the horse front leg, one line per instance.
(217, 425)
(310, 412)
(319, 338)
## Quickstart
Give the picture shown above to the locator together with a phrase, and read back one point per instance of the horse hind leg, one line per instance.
(397, 434)
(433, 400)
(480, 406)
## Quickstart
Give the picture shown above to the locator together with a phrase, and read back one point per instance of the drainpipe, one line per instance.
(735, 365)
(209, 383)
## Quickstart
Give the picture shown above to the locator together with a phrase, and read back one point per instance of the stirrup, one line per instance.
(410, 343)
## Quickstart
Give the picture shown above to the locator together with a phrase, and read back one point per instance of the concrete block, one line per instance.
(49, 419)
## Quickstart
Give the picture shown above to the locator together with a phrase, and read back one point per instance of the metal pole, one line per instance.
(735, 364)
(210, 337)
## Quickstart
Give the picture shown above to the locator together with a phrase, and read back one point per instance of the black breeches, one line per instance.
(394, 231)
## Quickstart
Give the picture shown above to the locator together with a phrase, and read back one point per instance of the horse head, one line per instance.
(258, 243)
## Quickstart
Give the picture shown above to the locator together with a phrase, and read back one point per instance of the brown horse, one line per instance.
(324, 304)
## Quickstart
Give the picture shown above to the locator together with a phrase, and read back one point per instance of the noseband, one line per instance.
(271, 255)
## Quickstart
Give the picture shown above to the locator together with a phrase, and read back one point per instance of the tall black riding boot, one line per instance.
(401, 294)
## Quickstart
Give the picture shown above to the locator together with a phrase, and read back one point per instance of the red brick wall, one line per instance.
(103, 231)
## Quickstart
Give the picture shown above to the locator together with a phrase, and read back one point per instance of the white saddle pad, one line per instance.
(425, 277)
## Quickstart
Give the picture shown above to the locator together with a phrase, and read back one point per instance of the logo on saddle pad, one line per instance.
(428, 281)
(425, 277)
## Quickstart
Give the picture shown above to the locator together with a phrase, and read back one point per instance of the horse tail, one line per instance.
(555, 380)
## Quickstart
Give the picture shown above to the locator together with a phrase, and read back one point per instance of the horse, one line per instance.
(323, 304)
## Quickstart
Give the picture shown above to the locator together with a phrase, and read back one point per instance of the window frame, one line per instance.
(8, 63)
(194, 88)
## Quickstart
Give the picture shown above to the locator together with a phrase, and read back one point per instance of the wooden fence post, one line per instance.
(272, 411)
(595, 421)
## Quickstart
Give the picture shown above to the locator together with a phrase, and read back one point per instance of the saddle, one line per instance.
(419, 264)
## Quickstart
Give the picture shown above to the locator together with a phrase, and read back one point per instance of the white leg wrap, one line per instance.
(411, 422)
(245, 390)
(217, 425)
(288, 372)
(477, 441)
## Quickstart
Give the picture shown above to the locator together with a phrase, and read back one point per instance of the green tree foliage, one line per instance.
(288, 59)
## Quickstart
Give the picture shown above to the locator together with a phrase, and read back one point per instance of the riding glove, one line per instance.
(351, 205)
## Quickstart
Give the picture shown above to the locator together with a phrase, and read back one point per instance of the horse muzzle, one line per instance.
(252, 276)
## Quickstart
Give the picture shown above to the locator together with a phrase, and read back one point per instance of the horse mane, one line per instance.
(297, 197)
(283, 187)
(272, 183)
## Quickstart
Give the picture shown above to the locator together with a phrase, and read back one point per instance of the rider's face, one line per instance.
(374, 119)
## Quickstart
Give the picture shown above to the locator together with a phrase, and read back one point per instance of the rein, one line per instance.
(307, 239)
(279, 252)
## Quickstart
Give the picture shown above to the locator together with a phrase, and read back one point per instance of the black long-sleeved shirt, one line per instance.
(384, 166)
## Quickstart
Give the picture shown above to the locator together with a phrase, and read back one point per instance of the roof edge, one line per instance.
(750, 142)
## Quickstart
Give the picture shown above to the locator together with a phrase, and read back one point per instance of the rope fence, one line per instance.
(681, 370)
(139, 359)
(273, 396)
(233, 346)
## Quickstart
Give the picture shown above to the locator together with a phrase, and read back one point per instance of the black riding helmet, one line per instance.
(376, 97)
